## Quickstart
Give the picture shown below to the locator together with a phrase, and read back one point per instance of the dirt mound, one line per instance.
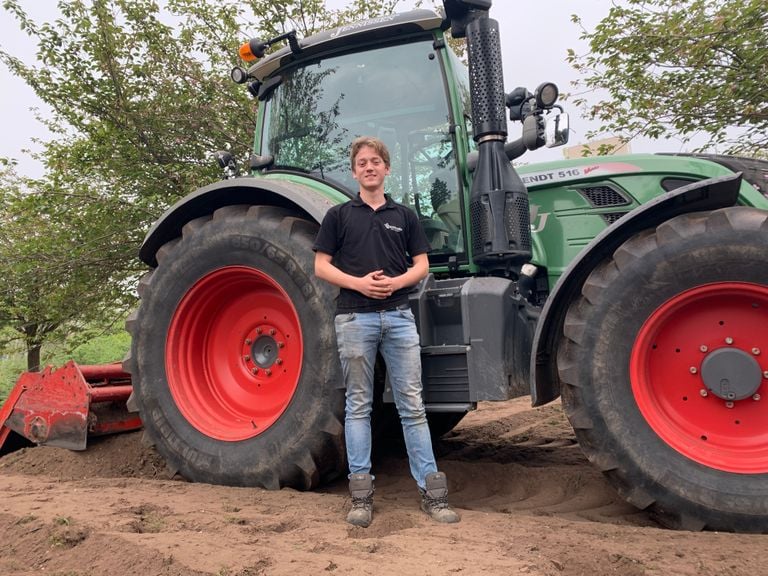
(530, 504)
(119, 456)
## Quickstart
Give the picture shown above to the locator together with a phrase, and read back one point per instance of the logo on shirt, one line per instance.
(389, 226)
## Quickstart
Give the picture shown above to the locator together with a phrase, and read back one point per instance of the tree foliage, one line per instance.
(140, 98)
(62, 263)
(663, 68)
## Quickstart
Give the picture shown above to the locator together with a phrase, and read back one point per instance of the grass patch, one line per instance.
(66, 535)
(11, 366)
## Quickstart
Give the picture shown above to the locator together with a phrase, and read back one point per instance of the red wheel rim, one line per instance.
(233, 353)
(723, 325)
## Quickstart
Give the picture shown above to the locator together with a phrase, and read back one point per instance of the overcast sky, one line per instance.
(534, 43)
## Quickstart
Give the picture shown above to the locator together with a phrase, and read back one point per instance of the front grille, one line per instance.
(611, 217)
(603, 196)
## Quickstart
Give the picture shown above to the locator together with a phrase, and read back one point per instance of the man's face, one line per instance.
(369, 169)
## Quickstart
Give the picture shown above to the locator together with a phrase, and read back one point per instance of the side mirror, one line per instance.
(557, 129)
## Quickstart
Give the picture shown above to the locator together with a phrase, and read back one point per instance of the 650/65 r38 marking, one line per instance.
(233, 356)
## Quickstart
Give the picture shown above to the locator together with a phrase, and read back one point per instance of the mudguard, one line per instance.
(700, 196)
(244, 190)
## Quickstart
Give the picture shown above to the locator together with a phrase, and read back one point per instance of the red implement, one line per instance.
(64, 407)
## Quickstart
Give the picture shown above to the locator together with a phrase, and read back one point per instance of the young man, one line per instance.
(363, 247)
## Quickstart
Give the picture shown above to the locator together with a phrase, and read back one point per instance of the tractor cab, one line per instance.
(321, 93)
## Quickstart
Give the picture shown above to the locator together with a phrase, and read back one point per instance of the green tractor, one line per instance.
(635, 288)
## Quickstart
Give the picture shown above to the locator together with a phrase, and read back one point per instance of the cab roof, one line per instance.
(381, 28)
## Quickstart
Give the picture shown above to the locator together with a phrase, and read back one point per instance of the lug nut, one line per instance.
(259, 330)
(246, 358)
(703, 393)
(279, 361)
(729, 404)
(268, 372)
(729, 340)
(756, 351)
(254, 370)
(247, 340)
(765, 374)
(693, 370)
(272, 332)
(282, 345)
(756, 397)
(703, 348)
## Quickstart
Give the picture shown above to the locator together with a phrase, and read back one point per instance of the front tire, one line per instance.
(233, 356)
(664, 370)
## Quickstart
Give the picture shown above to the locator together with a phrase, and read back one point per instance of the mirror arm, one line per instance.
(513, 150)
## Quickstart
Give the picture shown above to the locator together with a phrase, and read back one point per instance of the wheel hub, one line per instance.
(264, 351)
(731, 374)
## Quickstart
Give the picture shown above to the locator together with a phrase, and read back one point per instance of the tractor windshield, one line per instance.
(396, 93)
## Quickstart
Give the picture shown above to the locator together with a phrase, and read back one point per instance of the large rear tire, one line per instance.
(664, 370)
(233, 358)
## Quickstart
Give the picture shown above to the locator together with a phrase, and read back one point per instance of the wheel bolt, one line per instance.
(756, 397)
(247, 340)
(729, 404)
(259, 330)
(272, 332)
(282, 345)
(254, 370)
(246, 358)
(756, 351)
(279, 361)
(765, 374)
(693, 369)
(268, 372)
(729, 340)
(703, 348)
(703, 393)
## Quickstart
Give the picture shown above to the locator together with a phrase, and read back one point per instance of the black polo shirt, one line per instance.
(362, 240)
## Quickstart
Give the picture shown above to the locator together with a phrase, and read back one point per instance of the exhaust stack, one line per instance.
(499, 209)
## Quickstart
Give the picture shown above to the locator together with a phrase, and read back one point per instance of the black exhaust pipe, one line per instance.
(499, 209)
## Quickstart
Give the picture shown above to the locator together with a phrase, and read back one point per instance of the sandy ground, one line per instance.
(530, 504)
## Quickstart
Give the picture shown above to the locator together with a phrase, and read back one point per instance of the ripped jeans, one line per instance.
(360, 335)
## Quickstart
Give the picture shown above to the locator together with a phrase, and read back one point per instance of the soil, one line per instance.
(530, 504)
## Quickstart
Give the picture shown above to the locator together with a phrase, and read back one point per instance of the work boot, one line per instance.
(361, 490)
(434, 500)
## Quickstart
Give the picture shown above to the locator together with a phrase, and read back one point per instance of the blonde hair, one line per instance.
(375, 143)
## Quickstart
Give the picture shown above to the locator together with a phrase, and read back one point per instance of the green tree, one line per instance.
(663, 68)
(61, 264)
(140, 96)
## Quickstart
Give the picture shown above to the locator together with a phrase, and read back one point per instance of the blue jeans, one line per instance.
(393, 332)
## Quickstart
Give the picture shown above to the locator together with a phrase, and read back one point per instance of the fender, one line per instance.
(704, 195)
(244, 190)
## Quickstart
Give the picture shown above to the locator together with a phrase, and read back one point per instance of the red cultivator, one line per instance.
(64, 407)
